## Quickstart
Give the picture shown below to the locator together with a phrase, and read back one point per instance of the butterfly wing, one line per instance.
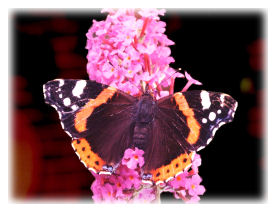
(182, 125)
(96, 116)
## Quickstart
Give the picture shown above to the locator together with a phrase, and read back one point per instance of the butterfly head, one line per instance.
(146, 89)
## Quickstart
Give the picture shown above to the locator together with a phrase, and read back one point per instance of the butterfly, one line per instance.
(104, 121)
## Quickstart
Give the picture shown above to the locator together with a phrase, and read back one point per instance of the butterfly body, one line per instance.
(144, 111)
(104, 121)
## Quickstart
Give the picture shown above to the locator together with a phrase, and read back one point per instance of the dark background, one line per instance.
(223, 50)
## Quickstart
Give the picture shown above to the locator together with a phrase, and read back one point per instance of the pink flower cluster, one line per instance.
(125, 184)
(186, 186)
(129, 48)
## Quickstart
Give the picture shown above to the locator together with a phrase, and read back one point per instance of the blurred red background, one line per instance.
(225, 52)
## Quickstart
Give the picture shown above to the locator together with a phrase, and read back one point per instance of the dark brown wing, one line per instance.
(96, 116)
(185, 122)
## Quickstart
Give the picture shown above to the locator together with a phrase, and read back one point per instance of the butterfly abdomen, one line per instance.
(144, 115)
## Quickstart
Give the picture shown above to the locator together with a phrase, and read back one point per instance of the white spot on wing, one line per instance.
(170, 178)
(222, 99)
(60, 95)
(72, 145)
(74, 107)
(178, 173)
(221, 123)
(92, 170)
(105, 173)
(205, 100)
(212, 116)
(187, 167)
(59, 115)
(84, 164)
(219, 111)
(44, 91)
(67, 101)
(55, 107)
(147, 182)
(158, 182)
(236, 105)
(200, 148)
(209, 140)
(78, 154)
(193, 155)
(68, 133)
(214, 131)
(61, 83)
(204, 120)
(78, 89)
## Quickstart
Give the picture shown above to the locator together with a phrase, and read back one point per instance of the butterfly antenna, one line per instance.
(172, 81)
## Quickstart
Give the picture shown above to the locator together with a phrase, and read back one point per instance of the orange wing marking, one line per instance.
(91, 159)
(189, 113)
(171, 170)
(87, 110)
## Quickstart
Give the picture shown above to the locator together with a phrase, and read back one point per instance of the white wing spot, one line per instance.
(55, 107)
(193, 155)
(61, 83)
(59, 115)
(66, 101)
(170, 178)
(212, 116)
(236, 105)
(158, 182)
(204, 120)
(187, 167)
(60, 95)
(221, 123)
(219, 111)
(205, 100)
(104, 173)
(214, 131)
(78, 89)
(68, 133)
(222, 99)
(200, 148)
(44, 92)
(93, 170)
(209, 140)
(84, 163)
(74, 107)
(147, 182)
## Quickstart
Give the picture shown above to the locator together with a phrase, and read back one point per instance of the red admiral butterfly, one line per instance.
(104, 121)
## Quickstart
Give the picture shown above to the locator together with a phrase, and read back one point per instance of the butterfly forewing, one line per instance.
(200, 112)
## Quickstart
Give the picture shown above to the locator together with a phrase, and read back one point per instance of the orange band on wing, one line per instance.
(87, 110)
(189, 113)
(90, 159)
(177, 165)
